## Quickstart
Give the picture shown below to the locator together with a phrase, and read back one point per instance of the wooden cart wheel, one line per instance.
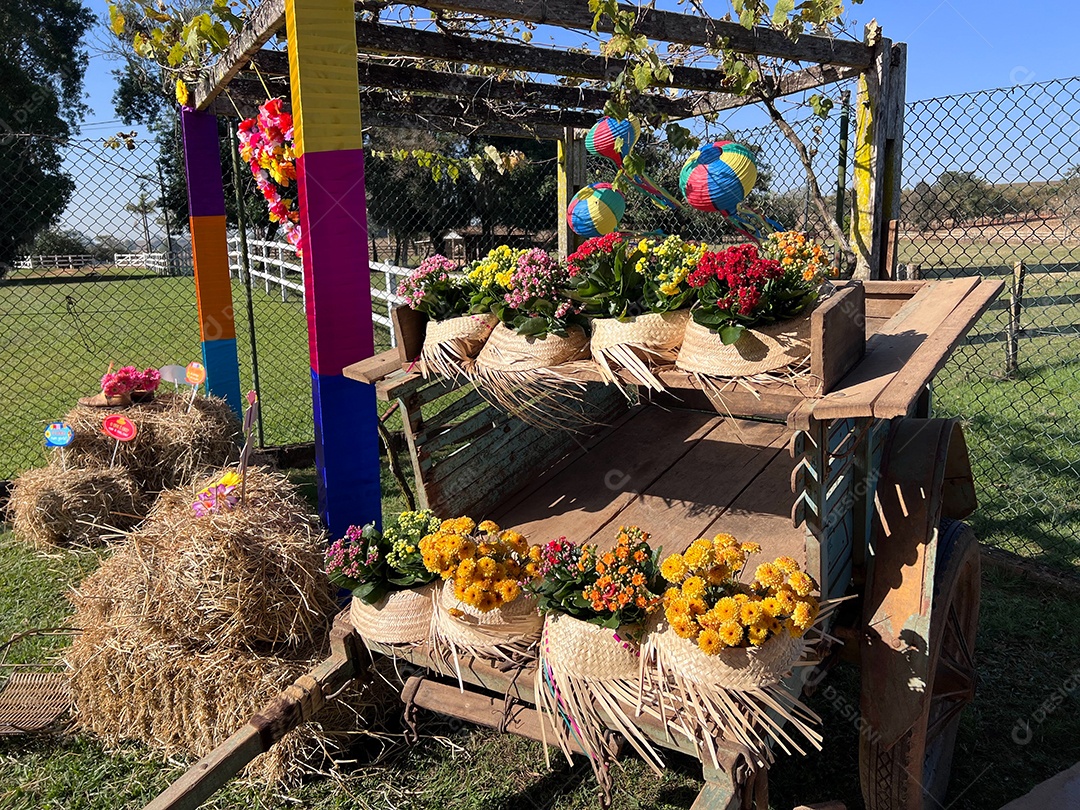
(914, 773)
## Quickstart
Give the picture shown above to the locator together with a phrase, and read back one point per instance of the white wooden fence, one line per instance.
(276, 265)
(67, 262)
(151, 261)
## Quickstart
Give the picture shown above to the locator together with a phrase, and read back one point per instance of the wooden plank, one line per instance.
(919, 370)
(487, 711)
(889, 349)
(692, 494)
(838, 336)
(668, 26)
(599, 483)
(885, 306)
(409, 328)
(474, 109)
(876, 288)
(266, 20)
(378, 75)
(436, 438)
(798, 82)
(373, 369)
(458, 407)
(393, 40)
(762, 514)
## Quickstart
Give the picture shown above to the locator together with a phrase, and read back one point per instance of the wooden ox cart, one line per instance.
(856, 482)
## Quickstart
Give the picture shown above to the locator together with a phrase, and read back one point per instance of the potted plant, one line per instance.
(392, 594)
(596, 604)
(483, 608)
(723, 647)
(638, 295)
(454, 335)
(752, 313)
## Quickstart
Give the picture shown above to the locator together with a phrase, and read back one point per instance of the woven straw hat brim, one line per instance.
(585, 650)
(507, 351)
(511, 624)
(448, 344)
(638, 345)
(757, 351)
(736, 668)
(400, 617)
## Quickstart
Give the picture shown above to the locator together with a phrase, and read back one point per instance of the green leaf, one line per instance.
(730, 334)
(781, 11)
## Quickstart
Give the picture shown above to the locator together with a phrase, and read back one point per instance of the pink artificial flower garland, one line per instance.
(266, 145)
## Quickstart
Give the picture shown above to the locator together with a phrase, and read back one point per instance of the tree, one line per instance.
(143, 206)
(57, 242)
(42, 65)
(964, 196)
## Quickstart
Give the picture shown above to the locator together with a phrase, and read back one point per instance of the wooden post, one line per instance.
(879, 132)
(337, 275)
(210, 250)
(572, 176)
(1016, 305)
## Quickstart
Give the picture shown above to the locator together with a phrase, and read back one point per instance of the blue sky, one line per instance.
(954, 46)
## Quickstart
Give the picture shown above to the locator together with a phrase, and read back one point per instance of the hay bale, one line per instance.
(53, 506)
(172, 448)
(128, 683)
(251, 577)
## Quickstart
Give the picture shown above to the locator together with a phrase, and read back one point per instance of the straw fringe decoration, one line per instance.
(758, 350)
(587, 678)
(399, 618)
(522, 375)
(637, 345)
(449, 344)
(730, 695)
(506, 637)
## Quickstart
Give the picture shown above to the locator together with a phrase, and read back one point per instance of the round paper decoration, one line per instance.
(596, 210)
(58, 434)
(612, 138)
(195, 374)
(718, 176)
(119, 427)
(174, 374)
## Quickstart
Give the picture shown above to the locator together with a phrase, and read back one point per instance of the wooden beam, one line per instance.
(394, 40)
(791, 84)
(265, 21)
(471, 110)
(459, 85)
(669, 26)
(869, 160)
(572, 175)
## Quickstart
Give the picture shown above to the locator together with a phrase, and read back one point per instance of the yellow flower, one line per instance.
(710, 642)
(786, 564)
(489, 527)
(750, 612)
(786, 599)
(769, 575)
(758, 635)
(726, 609)
(710, 619)
(694, 587)
(770, 606)
(684, 627)
(696, 606)
(717, 574)
(803, 616)
(230, 479)
(465, 571)
(673, 569)
(794, 629)
(473, 593)
(722, 541)
(731, 633)
(733, 558)
(487, 602)
(507, 590)
(486, 567)
(465, 548)
(699, 554)
(774, 625)
(801, 583)
(751, 548)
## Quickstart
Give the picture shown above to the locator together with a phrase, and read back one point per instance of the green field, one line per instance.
(1027, 655)
(58, 336)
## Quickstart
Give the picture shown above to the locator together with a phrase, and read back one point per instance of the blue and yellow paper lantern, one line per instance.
(613, 138)
(596, 210)
(718, 176)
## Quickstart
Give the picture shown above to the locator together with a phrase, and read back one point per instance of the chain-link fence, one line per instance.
(992, 180)
(991, 184)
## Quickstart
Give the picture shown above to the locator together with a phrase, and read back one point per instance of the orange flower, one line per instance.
(638, 579)
(608, 558)
(639, 556)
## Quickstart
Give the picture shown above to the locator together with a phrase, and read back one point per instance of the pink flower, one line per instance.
(149, 380)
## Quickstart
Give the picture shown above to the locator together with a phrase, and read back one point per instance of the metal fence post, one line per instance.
(1016, 305)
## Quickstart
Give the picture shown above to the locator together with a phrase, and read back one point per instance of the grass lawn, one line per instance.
(60, 334)
(1027, 656)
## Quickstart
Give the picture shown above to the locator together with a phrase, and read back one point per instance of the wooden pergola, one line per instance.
(338, 62)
